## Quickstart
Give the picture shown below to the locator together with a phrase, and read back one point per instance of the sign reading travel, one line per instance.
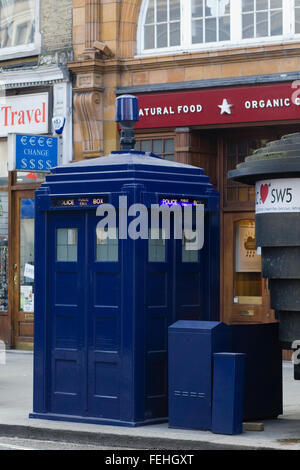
(32, 152)
(279, 195)
(219, 106)
(92, 201)
(24, 114)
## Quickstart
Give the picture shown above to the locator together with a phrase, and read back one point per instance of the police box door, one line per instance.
(84, 314)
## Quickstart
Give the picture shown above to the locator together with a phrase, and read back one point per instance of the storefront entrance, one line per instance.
(22, 263)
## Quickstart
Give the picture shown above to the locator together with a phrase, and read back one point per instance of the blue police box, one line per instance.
(103, 305)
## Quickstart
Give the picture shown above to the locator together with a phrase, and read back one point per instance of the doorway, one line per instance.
(22, 263)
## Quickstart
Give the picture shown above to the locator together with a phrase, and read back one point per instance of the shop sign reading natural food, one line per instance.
(279, 195)
(219, 106)
(24, 114)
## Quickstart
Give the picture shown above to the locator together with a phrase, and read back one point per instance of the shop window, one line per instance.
(107, 249)
(164, 147)
(176, 25)
(247, 265)
(26, 255)
(19, 27)
(66, 249)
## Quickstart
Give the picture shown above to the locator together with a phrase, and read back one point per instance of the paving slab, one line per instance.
(16, 379)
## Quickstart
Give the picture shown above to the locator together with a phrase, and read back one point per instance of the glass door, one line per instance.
(23, 270)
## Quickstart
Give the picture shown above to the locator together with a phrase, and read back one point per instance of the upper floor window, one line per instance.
(19, 35)
(173, 25)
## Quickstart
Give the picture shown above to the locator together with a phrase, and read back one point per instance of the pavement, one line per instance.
(16, 378)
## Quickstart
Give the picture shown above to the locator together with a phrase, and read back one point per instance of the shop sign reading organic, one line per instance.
(219, 106)
(279, 195)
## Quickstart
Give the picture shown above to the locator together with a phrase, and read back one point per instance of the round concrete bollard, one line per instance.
(275, 170)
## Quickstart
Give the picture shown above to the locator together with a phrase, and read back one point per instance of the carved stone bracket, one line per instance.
(88, 108)
(88, 113)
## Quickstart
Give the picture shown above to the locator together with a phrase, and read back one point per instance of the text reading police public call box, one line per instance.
(103, 306)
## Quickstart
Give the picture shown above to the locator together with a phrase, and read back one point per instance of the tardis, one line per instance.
(103, 304)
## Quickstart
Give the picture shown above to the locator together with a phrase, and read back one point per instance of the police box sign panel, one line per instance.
(220, 106)
(24, 113)
(279, 195)
(32, 152)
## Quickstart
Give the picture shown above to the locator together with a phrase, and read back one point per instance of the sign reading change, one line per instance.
(280, 195)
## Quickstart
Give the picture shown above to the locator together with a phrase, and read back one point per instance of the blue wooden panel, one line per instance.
(159, 313)
(66, 322)
(103, 331)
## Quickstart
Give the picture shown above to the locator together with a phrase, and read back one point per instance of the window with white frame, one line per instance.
(176, 25)
(19, 33)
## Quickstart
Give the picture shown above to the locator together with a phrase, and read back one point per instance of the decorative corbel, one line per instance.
(88, 107)
(88, 111)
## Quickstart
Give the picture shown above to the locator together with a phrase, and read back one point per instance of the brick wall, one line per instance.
(56, 25)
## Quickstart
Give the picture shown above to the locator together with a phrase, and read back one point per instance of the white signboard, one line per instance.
(24, 114)
(280, 195)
